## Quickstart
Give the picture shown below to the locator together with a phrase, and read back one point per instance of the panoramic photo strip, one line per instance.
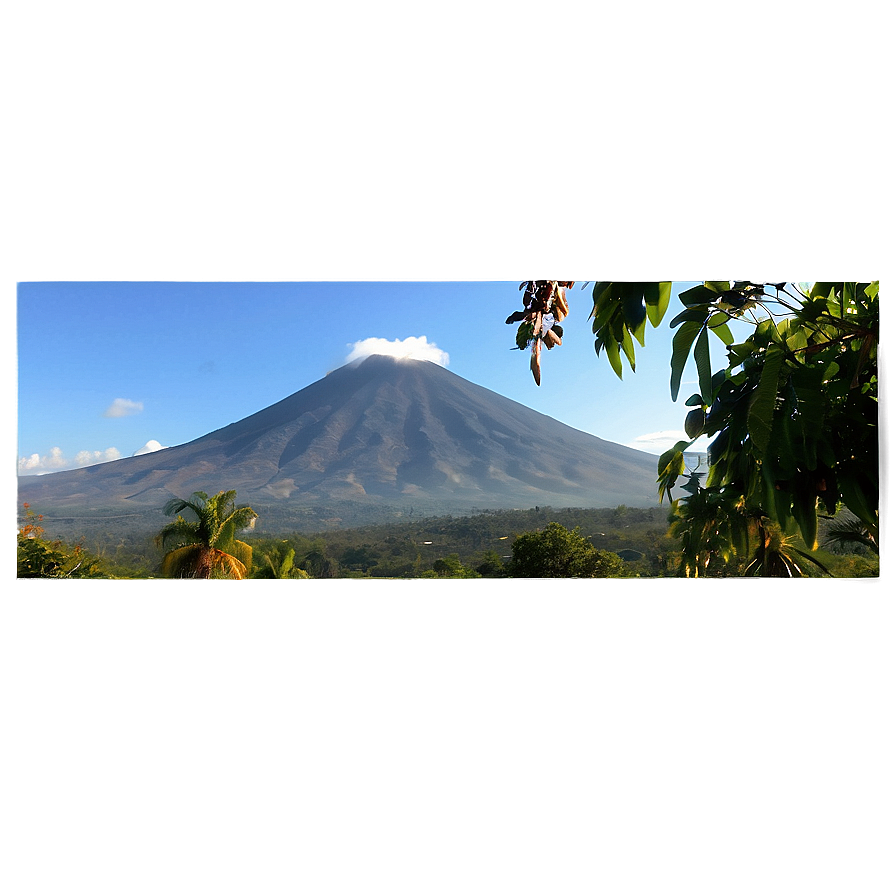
(448, 430)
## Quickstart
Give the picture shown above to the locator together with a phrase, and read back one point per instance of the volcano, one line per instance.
(381, 431)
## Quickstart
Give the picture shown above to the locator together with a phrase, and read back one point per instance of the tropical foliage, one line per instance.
(279, 563)
(449, 567)
(41, 558)
(427, 546)
(845, 533)
(206, 547)
(721, 535)
(557, 552)
(792, 416)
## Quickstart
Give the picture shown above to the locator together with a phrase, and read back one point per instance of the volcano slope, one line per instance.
(376, 434)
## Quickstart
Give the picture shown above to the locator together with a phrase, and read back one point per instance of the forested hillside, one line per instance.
(411, 548)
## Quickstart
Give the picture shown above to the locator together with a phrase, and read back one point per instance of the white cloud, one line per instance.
(149, 447)
(34, 463)
(123, 407)
(658, 442)
(87, 458)
(55, 461)
(417, 347)
(29, 463)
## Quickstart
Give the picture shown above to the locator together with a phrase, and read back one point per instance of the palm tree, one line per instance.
(846, 532)
(776, 556)
(280, 564)
(206, 548)
(717, 529)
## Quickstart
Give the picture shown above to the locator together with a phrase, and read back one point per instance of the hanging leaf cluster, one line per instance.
(544, 306)
(620, 315)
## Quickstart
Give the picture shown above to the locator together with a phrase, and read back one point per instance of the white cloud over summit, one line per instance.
(419, 348)
(149, 447)
(123, 407)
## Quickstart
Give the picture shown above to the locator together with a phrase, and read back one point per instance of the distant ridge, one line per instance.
(379, 431)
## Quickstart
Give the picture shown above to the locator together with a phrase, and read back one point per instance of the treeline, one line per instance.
(483, 543)
(541, 542)
(439, 546)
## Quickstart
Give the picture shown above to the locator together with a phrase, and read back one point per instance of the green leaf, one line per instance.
(681, 348)
(656, 297)
(718, 286)
(628, 347)
(612, 347)
(640, 331)
(603, 313)
(782, 510)
(855, 499)
(696, 400)
(633, 309)
(786, 449)
(663, 463)
(806, 517)
(704, 371)
(822, 290)
(810, 416)
(602, 291)
(797, 340)
(871, 290)
(670, 466)
(738, 353)
(695, 312)
(693, 423)
(762, 404)
(818, 563)
(697, 295)
(718, 323)
(826, 453)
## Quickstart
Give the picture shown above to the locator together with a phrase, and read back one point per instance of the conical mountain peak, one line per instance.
(380, 430)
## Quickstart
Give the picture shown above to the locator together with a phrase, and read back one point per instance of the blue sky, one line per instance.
(110, 369)
(279, 148)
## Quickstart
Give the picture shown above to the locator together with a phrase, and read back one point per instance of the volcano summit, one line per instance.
(380, 431)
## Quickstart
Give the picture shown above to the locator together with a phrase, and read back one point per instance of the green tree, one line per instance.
(279, 563)
(792, 416)
(360, 558)
(449, 567)
(40, 558)
(491, 565)
(319, 566)
(207, 547)
(557, 552)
